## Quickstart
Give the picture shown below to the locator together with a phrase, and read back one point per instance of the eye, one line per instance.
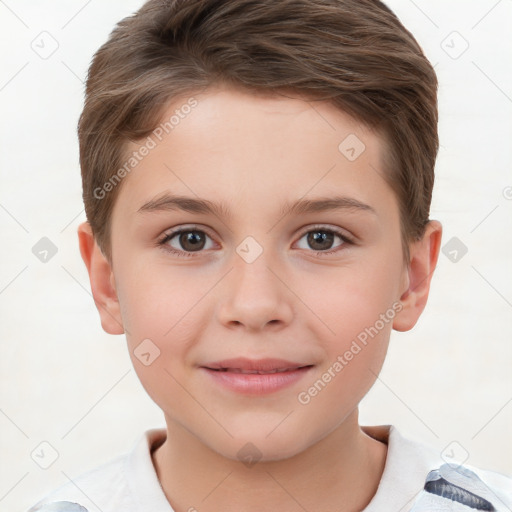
(185, 241)
(321, 240)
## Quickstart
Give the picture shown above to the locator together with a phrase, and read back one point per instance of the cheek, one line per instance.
(355, 306)
(156, 302)
(163, 314)
(361, 320)
(348, 300)
(161, 317)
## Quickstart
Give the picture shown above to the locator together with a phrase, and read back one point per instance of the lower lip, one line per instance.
(257, 383)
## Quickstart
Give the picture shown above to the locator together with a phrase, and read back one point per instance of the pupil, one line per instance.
(318, 237)
(193, 238)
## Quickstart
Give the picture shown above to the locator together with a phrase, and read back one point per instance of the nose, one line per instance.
(255, 296)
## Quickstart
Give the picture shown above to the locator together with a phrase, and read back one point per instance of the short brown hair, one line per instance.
(354, 53)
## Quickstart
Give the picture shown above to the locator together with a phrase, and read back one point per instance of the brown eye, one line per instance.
(320, 240)
(192, 240)
(185, 242)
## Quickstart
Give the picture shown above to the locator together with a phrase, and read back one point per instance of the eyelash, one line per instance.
(162, 243)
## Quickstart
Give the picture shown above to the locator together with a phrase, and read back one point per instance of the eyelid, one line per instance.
(162, 241)
(196, 227)
(185, 227)
(342, 233)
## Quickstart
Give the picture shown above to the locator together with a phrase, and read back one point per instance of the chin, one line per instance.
(257, 446)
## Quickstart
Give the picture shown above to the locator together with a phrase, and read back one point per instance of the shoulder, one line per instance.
(464, 488)
(418, 478)
(122, 483)
(89, 491)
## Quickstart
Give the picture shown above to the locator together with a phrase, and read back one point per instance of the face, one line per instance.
(300, 259)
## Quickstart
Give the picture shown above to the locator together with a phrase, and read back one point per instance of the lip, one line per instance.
(232, 374)
(264, 365)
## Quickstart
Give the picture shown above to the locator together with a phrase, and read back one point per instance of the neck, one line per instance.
(340, 472)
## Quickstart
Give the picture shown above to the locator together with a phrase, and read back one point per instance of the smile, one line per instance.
(255, 382)
(259, 372)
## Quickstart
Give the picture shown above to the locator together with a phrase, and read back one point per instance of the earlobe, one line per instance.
(423, 260)
(102, 282)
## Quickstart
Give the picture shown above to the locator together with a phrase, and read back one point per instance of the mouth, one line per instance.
(261, 366)
(258, 372)
(256, 377)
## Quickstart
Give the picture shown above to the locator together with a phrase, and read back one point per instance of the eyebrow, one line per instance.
(169, 202)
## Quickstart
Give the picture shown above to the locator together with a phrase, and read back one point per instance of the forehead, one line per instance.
(244, 148)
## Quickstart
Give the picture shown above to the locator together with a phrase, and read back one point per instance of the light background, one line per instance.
(66, 382)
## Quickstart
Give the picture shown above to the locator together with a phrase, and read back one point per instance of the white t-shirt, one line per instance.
(415, 479)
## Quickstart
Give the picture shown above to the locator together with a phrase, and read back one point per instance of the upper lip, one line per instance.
(243, 363)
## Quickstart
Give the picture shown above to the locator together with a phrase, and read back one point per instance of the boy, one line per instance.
(292, 144)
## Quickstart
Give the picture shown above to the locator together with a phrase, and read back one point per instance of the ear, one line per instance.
(102, 281)
(423, 261)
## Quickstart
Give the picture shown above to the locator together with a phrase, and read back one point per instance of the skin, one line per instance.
(254, 153)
